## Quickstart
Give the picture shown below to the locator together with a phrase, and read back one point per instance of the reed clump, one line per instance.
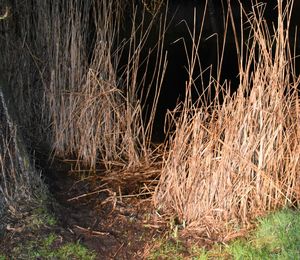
(95, 115)
(226, 162)
(230, 162)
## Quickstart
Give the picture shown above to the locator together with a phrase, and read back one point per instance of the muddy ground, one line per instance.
(108, 212)
(104, 214)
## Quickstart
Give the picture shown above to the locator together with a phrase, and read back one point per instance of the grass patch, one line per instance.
(168, 249)
(50, 247)
(40, 217)
(277, 236)
(35, 240)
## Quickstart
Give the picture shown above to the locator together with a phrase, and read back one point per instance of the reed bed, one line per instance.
(228, 163)
(96, 116)
(21, 188)
(82, 98)
(63, 75)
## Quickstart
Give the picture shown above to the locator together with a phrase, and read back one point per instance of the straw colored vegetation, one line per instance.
(21, 188)
(230, 162)
(94, 115)
(225, 163)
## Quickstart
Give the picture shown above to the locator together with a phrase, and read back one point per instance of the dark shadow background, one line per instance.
(178, 45)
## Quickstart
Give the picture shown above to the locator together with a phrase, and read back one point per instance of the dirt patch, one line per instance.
(107, 213)
(102, 212)
(110, 213)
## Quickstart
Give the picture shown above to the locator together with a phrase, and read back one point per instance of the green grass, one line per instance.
(277, 236)
(48, 248)
(40, 217)
(77, 250)
(39, 243)
(168, 250)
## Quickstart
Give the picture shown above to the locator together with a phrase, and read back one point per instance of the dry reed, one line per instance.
(227, 163)
(63, 78)
(21, 188)
(93, 116)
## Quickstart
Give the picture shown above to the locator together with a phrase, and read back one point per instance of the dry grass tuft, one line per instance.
(226, 161)
(229, 163)
(94, 115)
(21, 187)
(64, 78)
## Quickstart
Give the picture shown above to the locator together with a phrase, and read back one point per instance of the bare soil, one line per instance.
(106, 214)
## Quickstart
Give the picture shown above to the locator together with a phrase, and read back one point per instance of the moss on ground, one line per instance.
(50, 247)
(36, 240)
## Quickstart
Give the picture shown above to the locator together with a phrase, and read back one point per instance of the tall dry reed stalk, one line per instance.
(60, 61)
(82, 97)
(19, 67)
(92, 116)
(227, 163)
(21, 188)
